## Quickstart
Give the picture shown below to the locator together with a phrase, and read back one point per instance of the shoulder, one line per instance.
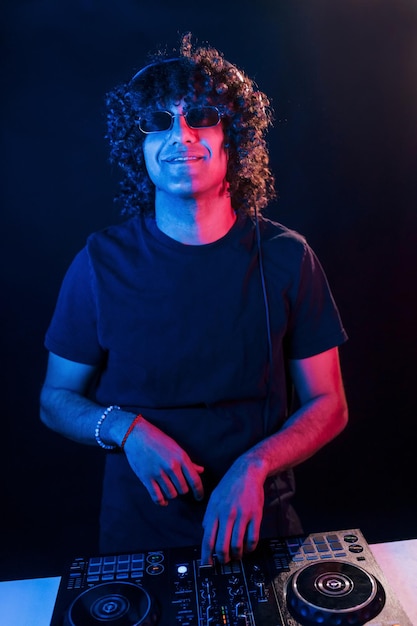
(275, 231)
(280, 241)
(115, 233)
(118, 241)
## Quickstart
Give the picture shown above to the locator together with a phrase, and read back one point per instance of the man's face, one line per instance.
(184, 161)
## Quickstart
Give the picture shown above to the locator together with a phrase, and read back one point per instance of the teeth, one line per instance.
(183, 159)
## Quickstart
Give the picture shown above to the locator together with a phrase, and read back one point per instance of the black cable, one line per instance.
(268, 327)
(270, 372)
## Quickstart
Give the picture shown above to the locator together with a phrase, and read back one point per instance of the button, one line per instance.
(356, 549)
(138, 562)
(322, 547)
(350, 538)
(109, 568)
(123, 567)
(154, 570)
(109, 559)
(155, 557)
(124, 558)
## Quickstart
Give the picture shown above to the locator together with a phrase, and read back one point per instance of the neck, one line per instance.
(193, 222)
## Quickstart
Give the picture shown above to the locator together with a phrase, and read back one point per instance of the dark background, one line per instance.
(342, 79)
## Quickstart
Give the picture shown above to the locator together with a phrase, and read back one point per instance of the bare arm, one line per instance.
(159, 462)
(65, 408)
(234, 513)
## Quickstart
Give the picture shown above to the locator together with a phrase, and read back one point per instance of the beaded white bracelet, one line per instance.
(101, 443)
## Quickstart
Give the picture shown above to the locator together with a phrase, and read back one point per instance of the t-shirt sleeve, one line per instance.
(72, 333)
(315, 324)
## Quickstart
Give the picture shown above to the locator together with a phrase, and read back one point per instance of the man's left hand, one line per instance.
(234, 514)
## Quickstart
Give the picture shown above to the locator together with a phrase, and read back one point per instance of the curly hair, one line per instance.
(201, 76)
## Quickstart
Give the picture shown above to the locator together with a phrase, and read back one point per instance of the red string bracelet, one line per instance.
(129, 430)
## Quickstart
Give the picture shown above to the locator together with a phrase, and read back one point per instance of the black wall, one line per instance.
(342, 79)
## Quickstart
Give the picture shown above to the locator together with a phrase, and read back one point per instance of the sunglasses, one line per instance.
(196, 117)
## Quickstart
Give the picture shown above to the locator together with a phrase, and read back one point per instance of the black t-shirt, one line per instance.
(180, 335)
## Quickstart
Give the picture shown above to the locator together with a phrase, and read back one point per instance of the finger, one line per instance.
(207, 545)
(184, 479)
(252, 535)
(237, 540)
(175, 483)
(171, 489)
(156, 493)
(224, 535)
(192, 476)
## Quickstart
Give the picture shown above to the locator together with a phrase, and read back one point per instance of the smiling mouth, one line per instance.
(183, 159)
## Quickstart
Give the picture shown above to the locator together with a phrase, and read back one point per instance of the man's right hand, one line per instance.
(160, 463)
(163, 467)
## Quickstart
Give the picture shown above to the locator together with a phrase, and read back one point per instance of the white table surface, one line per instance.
(21, 600)
(398, 561)
(28, 602)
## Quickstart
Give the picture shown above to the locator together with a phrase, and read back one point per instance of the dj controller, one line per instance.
(328, 578)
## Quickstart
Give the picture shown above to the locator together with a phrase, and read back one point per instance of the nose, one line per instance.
(180, 130)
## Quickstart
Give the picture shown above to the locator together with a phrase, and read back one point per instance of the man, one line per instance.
(179, 334)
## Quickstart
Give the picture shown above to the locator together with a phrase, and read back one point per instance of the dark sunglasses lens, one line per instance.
(202, 117)
(155, 121)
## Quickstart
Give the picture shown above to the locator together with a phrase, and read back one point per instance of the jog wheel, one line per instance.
(334, 593)
(112, 604)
